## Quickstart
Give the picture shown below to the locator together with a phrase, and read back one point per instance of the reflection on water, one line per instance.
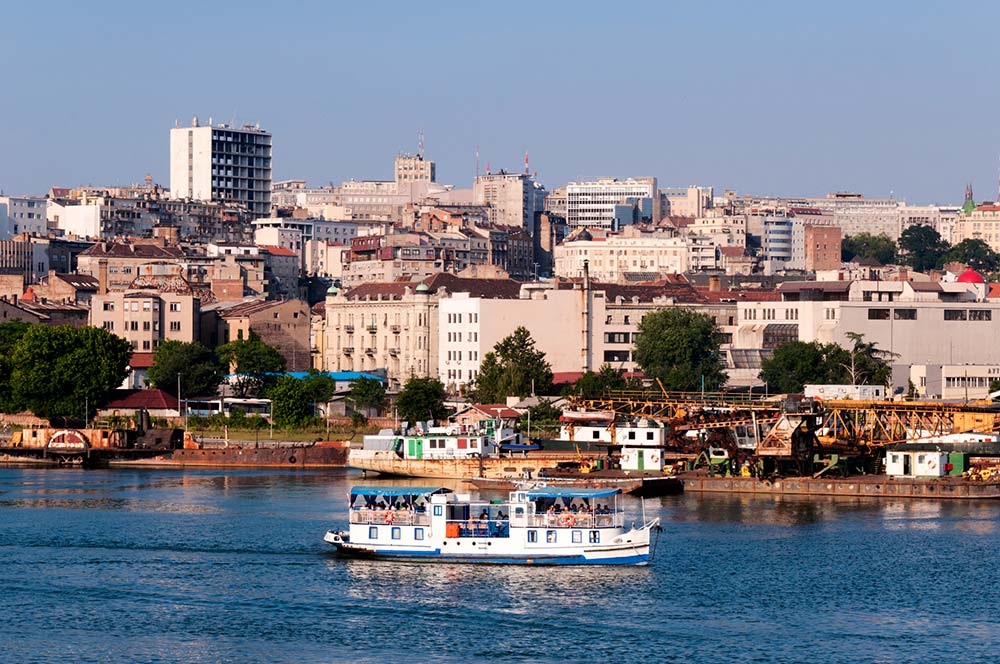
(218, 566)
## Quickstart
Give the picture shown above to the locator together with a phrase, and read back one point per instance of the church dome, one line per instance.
(970, 276)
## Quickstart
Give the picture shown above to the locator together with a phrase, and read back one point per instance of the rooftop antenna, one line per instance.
(526, 170)
(477, 160)
(420, 144)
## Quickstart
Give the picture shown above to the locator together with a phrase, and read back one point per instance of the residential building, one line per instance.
(854, 214)
(222, 163)
(687, 202)
(981, 223)
(283, 324)
(954, 382)
(822, 248)
(124, 260)
(61, 287)
(511, 197)
(23, 214)
(594, 204)
(635, 254)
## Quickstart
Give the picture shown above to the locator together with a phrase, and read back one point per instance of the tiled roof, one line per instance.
(79, 281)
(151, 399)
(497, 410)
(826, 286)
(275, 250)
(141, 360)
(740, 295)
(485, 288)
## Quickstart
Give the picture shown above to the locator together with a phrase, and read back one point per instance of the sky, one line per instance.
(768, 98)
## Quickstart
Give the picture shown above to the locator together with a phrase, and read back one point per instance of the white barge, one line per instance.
(535, 526)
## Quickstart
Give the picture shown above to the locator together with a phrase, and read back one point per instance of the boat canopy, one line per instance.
(570, 492)
(397, 490)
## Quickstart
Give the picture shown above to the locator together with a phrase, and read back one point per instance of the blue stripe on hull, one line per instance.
(437, 556)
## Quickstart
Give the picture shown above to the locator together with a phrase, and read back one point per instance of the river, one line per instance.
(230, 566)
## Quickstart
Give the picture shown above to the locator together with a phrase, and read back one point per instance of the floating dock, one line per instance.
(866, 486)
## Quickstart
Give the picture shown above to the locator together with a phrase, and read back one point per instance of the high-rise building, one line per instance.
(414, 168)
(592, 204)
(513, 198)
(222, 163)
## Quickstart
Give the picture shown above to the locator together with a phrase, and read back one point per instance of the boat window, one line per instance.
(595, 536)
(550, 536)
(397, 532)
(649, 435)
(631, 435)
(418, 534)
(532, 535)
(373, 532)
(438, 510)
(577, 537)
(597, 434)
(519, 511)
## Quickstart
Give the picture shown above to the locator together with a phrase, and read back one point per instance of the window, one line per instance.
(595, 536)
(878, 314)
(373, 532)
(145, 326)
(980, 314)
(438, 510)
(550, 537)
(145, 345)
(532, 535)
(955, 314)
(616, 337)
(418, 534)
(905, 314)
(397, 532)
(175, 306)
(109, 325)
(109, 306)
(175, 326)
(597, 435)
(577, 537)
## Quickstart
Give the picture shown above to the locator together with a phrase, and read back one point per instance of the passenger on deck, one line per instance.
(501, 516)
(485, 516)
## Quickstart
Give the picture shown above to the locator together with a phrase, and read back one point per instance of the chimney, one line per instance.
(714, 284)
(102, 276)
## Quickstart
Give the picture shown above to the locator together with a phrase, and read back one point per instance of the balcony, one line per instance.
(395, 329)
(394, 352)
(349, 329)
(348, 350)
(372, 329)
(369, 351)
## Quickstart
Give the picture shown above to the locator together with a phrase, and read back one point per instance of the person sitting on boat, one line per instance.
(550, 515)
(501, 516)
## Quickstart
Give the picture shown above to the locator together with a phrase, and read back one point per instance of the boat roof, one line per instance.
(397, 490)
(570, 492)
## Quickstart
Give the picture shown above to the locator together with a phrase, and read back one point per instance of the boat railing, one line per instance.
(386, 516)
(478, 528)
(575, 520)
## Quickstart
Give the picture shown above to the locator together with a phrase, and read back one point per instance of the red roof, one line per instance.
(497, 410)
(151, 399)
(141, 360)
(566, 377)
(994, 293)
(970, 276)
(275, 250)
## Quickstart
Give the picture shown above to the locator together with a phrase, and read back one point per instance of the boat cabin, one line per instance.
(916, 464)
(485, 438)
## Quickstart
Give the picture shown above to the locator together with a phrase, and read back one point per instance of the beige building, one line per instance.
(126, 261)
(394, 326)
(511, 197)
(689, 201)
(414, 168)
(983, 223)
(152, 309)
(635, 254)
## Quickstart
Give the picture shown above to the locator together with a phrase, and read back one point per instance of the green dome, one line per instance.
(333, 290)
(422, 288)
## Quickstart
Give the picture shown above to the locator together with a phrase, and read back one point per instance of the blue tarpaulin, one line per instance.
(569, 492)
(397, 490)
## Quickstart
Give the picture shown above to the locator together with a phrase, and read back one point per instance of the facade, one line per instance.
(149, 311)
(511, 198)
(283, 324)
(963, 382)
(414, 168)
(687, 202)
(593, 204)
(982, 223)
(23, 214)
(222, 163)
(613, 258)
(124, 261)
(855, 214)
(822, 248)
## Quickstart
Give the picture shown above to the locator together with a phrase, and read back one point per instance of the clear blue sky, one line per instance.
(788, 98)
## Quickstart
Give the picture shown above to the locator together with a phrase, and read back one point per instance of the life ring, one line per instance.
(626, 458)
(932, 464)
(388, 517)
(569, 521)
(653, 458)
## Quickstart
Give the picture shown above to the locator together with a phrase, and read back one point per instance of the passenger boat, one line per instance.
(535, 526)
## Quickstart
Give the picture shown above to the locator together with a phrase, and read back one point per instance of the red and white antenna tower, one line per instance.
(526, 170)
(420, 143)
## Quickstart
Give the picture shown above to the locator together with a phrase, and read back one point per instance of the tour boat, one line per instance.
(536, 526)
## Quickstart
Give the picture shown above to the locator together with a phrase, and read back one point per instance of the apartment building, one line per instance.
(687, 201)
(23, 214)
(635, 254)
(218, 162)
(414, 168)
(283, 324)
(124, 260)
(513, 198)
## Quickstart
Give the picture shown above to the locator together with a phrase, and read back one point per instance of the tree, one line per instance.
(797, 364)
(681, 348)
(367, 393)
(290, 404)
(421, 399)
(513, 367)
(865, 245)
(10, 333)
(197, 366)
(56, 370)
(974, 253)
(544, 414)
(251, 360)
(923, 247)
(593, 385)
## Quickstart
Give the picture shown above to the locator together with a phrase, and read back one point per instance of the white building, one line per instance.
(688, 202)
(23, 214)
(634, 252)
(414, 168)
(855, 214)
(592, 204)
(222, 163)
